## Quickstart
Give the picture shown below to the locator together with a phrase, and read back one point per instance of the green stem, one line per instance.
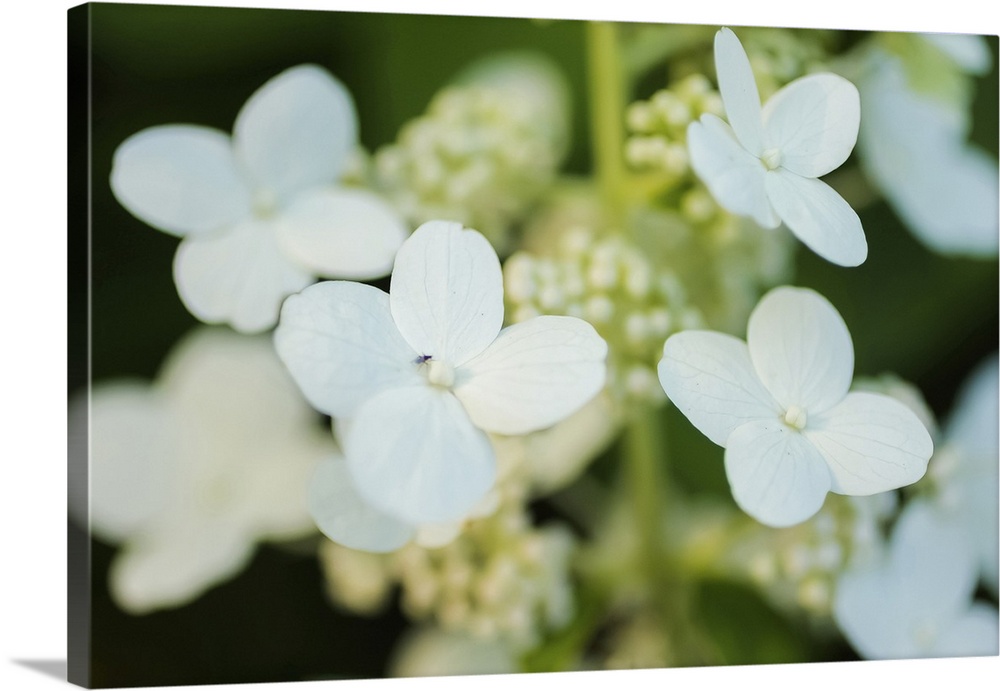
(645, 453)
(671, 590)
(607, 103)
(644, 446)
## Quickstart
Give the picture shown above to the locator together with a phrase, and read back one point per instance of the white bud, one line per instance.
(659, 322)
(599, 309)
(519, 280)
(550, 298)
(636, 328)
(814, 594)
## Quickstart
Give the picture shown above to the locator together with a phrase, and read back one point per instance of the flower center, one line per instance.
(924, 634)
(795, 417)
(264, 203)
(771, 158)
(440, 374)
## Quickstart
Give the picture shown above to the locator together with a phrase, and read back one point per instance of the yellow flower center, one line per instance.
(264, 203)
(771, 158)
(440, 374)
(795, 417)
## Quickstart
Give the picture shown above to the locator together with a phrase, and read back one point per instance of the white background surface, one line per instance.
(33, 356)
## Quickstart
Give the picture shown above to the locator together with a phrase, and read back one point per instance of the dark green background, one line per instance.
(927, 318)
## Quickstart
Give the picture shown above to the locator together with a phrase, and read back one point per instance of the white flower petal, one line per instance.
(296, 131)
(533, 375)
(907, 604)
(219, 450)
(873, 444)
(971, 485)
(739, 90)
(818, 216)
(950, 201)
(914, 147)
(446, 292)
(347, 233)
(415, 454)
(775, 474)
(180, 179)
(922, 543)
(814, 122)
(232, 385)
(973, 634)
(177, 564)
(346, 518)
(338, 340)
(734, 177)
(974, 423)
(969, 52)
(238, 277)
(801, 349)
(982, 521)
(949, 196)
(273, 501)
(710, 378)
(132, 446)
(869, 611)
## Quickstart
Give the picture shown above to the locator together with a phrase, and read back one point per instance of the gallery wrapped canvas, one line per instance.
(421, 345)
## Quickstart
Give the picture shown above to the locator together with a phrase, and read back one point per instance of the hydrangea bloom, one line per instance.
(765, 162)
(259, 212)
(965, 470)
(190, 472)
(914, 147)
(917, 602)
(780, 406)
(424, 372)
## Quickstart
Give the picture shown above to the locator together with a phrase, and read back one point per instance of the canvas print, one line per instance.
(415, 345)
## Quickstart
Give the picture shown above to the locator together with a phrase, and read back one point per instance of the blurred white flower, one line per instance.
(189, 472)
(765, 162)
(780, 406)
(424, 372)
(968, 51)
(260, 214)
(914, 146)
(917, 601)
(965, 470)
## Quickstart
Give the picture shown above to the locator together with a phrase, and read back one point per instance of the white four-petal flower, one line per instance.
(424, 372)
(780, 406)
(190, 472)
(917, 602)
(765, 162)
(915, 148)
(966, 472)
(260, 214)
